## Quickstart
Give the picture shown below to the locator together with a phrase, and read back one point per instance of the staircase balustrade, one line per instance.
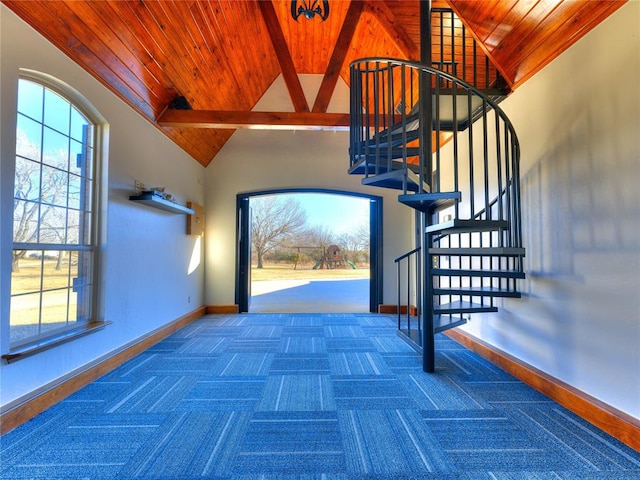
(453, 154)
(409, 262)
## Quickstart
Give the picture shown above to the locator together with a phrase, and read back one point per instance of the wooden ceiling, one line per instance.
(223, 55)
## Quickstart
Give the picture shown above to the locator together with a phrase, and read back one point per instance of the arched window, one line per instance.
(55, 215)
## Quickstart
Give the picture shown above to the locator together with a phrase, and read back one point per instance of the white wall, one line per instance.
(578, 122)
(254, 160)
(146, 283)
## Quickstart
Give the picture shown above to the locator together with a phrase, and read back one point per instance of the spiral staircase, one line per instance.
(453, 155)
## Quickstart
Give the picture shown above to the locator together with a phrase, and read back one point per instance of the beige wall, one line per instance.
(146, 283)
(255, 160)
(578, 122)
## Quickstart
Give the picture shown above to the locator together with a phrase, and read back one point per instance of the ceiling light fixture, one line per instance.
(310, 8)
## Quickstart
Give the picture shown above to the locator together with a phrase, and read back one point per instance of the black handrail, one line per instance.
(408, 254)
(398, 261)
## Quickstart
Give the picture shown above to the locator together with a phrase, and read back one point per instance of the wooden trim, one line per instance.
(221, 309)
(338, 56)
(27, 407)
(281, 49)
(616, 423)
(393, 309)
(254, 120)
(235, 119)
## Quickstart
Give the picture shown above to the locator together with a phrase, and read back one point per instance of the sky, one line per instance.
(341, 213)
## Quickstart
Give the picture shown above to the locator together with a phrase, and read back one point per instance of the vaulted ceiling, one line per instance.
(221, 56)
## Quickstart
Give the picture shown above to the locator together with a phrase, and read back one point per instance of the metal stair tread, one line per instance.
(397, 138)
(366, 166)
(396, 179)
(445, 322)
(462, 307)
(458, 225)
(374, 151)
(440, 324)
(427, 202)
(480, 291)
(454, 272)
(448, 121)
(479, 251)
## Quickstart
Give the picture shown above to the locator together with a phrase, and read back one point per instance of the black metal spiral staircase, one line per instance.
(454, 157)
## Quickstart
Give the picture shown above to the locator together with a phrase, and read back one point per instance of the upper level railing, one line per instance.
(455, 51)
(475, 147)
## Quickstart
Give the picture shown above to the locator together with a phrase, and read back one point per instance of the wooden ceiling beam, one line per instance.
(338, 56)
(393, 27)
(281, 49)
(254, 120)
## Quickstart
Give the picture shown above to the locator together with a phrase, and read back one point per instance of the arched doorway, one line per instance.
(301, 294)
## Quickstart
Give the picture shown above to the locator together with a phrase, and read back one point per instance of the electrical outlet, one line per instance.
(189, 299)
(139, 186)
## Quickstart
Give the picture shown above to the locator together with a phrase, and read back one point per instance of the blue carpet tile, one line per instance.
(308, 397)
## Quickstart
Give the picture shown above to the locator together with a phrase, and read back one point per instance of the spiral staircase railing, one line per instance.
(454, 156)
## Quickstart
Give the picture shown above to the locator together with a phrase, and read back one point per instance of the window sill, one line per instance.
(32, 349)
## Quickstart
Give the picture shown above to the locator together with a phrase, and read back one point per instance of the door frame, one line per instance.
(243, 242)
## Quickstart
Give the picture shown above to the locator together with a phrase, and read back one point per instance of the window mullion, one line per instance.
(41, 293)
(53, 247)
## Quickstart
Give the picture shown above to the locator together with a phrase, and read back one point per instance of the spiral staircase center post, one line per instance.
(428, 340)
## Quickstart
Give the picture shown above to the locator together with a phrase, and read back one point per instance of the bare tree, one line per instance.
(37, 189)
(274, 219)
(355, 243)
(321, 236)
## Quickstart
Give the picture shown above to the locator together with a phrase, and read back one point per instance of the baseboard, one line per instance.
(27, 407)
(616, 423)
(393, 309)
(221, 309)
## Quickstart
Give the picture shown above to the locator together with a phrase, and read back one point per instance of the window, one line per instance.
(55, 224)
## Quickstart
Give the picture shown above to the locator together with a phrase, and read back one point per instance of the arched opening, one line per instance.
(308, 251)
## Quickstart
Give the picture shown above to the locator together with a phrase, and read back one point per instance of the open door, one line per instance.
(375, 253)
(244, 246)
(243, 253)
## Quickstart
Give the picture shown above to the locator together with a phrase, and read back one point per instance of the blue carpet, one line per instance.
(308, 397)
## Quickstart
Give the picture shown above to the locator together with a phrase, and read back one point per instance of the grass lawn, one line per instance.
(286, 272)
(56, 302)
(27, 308)
(31, 272)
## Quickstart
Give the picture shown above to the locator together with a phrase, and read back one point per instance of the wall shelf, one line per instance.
(160, 203)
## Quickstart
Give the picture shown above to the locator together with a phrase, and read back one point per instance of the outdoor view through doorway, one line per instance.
(309, 253)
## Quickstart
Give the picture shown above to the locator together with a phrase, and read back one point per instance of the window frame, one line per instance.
(96, 233)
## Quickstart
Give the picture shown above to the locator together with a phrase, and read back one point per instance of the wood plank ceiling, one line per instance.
(222, 55)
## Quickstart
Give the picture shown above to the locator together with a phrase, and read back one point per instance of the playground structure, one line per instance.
(331, 258)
